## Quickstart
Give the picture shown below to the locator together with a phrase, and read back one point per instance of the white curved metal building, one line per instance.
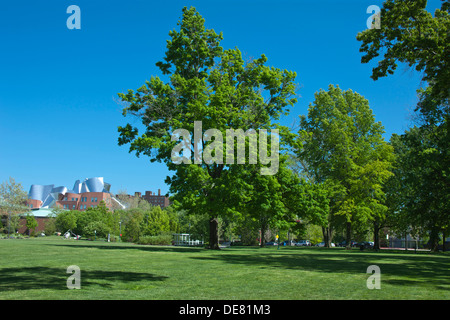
(86, 194)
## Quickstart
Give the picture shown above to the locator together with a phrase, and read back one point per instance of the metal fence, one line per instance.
(184, 239)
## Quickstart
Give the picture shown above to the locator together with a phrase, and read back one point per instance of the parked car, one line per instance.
(344, 243)
(366, 245)
(271, 243)
(303, 243)
(288, 243)
(322, 244)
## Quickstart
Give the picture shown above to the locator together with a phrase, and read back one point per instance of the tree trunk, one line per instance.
(434, 239)
(443, 241)
(406, 241)
(326, 231)
(214, 233)
(376, 235)
(325, 236)
(262, 235)
(348, 239)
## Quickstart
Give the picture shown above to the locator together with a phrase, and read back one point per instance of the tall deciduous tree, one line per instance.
(419, 192)
(217, 87)
(13, 200)
(410, 34)
(274, 200)
(344, 150)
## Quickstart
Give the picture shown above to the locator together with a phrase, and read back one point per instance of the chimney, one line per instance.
(159, 192)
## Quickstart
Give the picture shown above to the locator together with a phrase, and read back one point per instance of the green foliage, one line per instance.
(412, 35)
(215, 86)
(162, 239)
(419, 193)
(12, 203)
(66, 220)
(197, 225)
(155, 221)
(138, 222)
(50, 226)
(345, 159)
(101, 222)
(96, 229)
(132, 225)
(12, 197)
(31, 223)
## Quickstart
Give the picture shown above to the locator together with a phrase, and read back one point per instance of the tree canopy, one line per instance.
(411, 35)
(345, 155)
(218, 88)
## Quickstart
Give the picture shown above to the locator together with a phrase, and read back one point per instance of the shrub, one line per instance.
(163, 239)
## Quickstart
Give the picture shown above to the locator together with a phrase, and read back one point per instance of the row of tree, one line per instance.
(140, 220)
(335, 170)
(347, 175)
(99, 222)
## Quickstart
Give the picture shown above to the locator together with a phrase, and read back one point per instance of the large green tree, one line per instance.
(419, 191)
(13, 200)
(345, 154)
(274, 201)
(315, 198)
(411, 35)
(216, 87)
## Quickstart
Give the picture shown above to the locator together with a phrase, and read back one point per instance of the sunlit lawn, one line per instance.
(36, 269)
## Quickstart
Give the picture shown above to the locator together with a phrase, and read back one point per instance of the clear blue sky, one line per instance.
(58, 87)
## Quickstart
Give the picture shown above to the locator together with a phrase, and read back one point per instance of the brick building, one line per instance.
(84, 195)
(153, 198)
(41, 216)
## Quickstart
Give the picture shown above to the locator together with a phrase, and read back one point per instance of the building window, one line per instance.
(73, 207)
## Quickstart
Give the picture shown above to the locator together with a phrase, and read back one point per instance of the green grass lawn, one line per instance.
(36, 269)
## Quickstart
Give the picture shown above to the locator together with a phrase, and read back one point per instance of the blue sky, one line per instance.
(58, 87)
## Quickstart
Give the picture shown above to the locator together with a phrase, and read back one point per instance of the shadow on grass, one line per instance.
(106, 246)
(404, 269)
(29, 278)
(398, 269)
